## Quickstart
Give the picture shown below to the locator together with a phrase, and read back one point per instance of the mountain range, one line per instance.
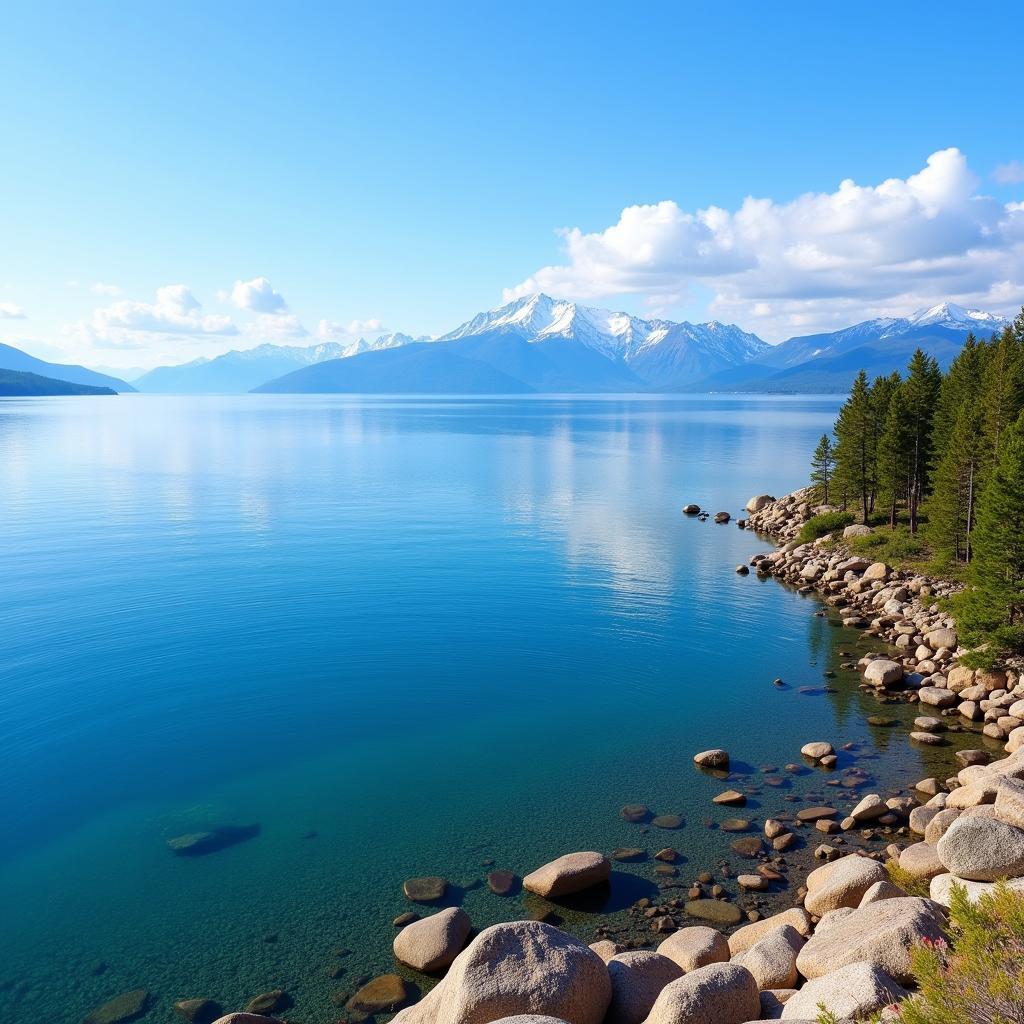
(19, 384)
(12, 358)
(538, 344)
(240, 371)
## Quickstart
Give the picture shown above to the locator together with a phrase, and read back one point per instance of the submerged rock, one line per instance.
(198, 1011)
(269, 1002)
(196, 844)
(381, 995)
(716, 911)
(501, 882)
(127, 1006)
(428, 889)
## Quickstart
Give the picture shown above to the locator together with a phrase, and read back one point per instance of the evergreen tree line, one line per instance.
(944, 454)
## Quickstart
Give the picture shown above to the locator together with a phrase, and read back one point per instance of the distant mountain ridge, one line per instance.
(20, 384)
(242, 370)
(829, 362)
(12, 358)
(543, 344)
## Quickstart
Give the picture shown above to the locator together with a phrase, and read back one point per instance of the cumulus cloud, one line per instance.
(11, 311)
(329, 330)
(813, 262)
(258, 296)
(128, 324)
(1010, 173)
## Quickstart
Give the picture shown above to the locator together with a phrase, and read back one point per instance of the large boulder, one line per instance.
(856, 990)
(435, 941)
(750, 934)
(1009, 806)
(856, 530)
(758, 502)
(883, 672)
(939, 638)
(882, 934)
(841, 883)
(716, 994)
(772, 960)
(520, 967)
(877, 571)
(982, 849)
(568, 874)
(637, 980)
(695, 947)
(921, 860)
(942, 888)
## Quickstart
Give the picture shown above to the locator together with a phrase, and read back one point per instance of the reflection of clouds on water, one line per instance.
(582, 491)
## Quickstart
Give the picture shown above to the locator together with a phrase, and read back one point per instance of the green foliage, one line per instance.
(978, 977)
(911, 885)
(892, 546)
(822, 467)
(827, 522)
(942, 452)
(855, 446)
(991, 609)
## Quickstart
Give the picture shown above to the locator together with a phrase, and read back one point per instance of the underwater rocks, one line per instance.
(198, 1011)
(384, 994)
(428, 889)
(268, 1002)
(125, 1007)
(198, 844)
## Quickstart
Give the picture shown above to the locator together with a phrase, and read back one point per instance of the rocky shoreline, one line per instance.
(844, 942)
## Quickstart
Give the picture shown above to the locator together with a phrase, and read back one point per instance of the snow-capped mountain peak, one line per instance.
(949, 314)
(614, 334)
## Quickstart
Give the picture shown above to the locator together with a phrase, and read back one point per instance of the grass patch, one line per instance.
(894, 546)
(827, 522)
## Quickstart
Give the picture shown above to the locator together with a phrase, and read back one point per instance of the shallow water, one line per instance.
(404, 636)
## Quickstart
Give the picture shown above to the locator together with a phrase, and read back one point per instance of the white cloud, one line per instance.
(99, 288)
(128, 324)
(258, 296)
(816, 262)
(329, 330)
(1010, 173)
(11, 311)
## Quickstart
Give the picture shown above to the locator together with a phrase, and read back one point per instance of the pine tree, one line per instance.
(991, 610)
(953, 507)
(917, 399)
(961, 383)
(893, 457)
(855, 450)
(883, 390)
(822, 463)
(1002, 390)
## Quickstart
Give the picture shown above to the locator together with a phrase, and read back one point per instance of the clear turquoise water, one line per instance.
(433, 632)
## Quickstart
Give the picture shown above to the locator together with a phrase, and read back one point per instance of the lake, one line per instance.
(403, 636)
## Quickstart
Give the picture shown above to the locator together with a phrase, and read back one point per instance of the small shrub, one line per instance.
(905, 880)
(827, 522)
(978, 976)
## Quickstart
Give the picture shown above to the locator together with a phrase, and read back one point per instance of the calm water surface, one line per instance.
(404, 636)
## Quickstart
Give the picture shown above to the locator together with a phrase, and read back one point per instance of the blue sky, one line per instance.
(403, 166)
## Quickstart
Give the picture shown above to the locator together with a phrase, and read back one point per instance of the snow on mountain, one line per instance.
(616, 335)
(948, 314)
